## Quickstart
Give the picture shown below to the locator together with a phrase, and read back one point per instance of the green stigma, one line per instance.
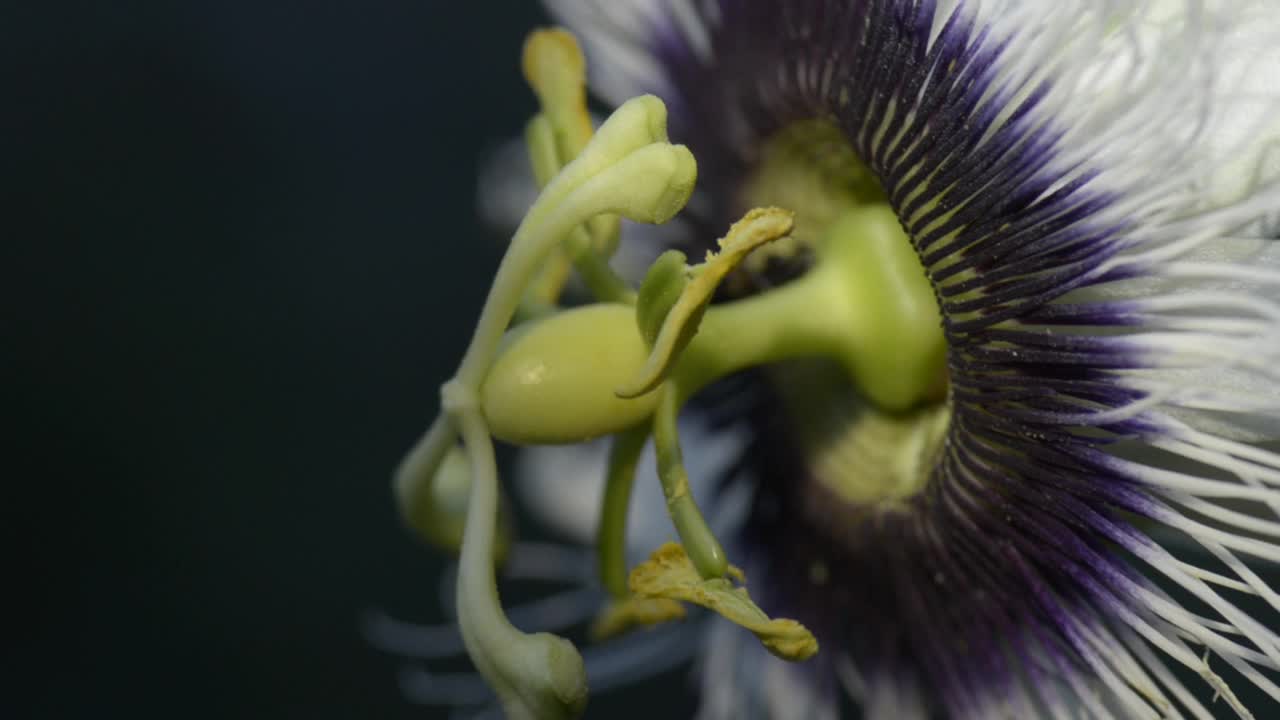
(536, 373)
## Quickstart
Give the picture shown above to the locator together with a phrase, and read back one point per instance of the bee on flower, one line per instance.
(960, 369)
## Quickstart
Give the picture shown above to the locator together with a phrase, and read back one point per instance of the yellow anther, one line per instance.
(668, 573)
(544, 291)
(555, 68)
(556, 71)
(756, 228)
(634, 612)
(588, 251)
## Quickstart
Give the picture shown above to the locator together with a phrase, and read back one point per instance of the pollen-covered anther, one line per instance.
(555, 68)
(556, 71)
(668, 573)
(622, 616)
(757, 228)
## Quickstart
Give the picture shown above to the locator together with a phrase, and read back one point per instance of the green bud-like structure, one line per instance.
(437, 511)
(554, 382)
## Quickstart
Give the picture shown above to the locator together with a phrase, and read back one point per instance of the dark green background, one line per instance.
(244, 255)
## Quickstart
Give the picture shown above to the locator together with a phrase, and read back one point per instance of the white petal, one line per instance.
(1247, 130)
(1188, 135)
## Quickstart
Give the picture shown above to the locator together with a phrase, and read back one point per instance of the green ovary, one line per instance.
(554, 380)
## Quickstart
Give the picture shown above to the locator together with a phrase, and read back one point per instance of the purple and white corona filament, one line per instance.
(1086, 184)
(1081, 515)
